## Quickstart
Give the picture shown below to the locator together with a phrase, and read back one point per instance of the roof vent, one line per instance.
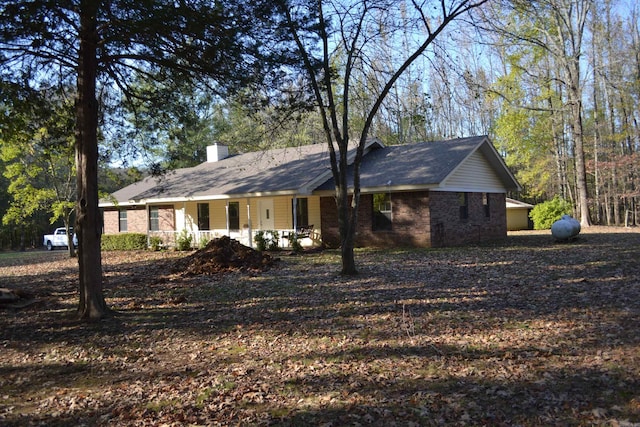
(217, 152)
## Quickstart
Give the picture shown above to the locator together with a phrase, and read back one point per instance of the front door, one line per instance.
(265, 206)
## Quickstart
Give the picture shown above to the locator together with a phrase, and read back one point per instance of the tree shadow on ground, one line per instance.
(430, 303)
(562, 397)
(462, 284)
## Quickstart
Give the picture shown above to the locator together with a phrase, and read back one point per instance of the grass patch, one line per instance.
(162, 405)
(203, 396)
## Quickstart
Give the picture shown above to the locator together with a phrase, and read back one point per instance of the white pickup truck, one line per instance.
(59, 239)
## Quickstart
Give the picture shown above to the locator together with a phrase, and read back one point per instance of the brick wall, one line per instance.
(448, 229)
(329, 222)
(422, 219)
(410, 226)
(136, 220)
(110, 221)
(167, 218)
(410, 221)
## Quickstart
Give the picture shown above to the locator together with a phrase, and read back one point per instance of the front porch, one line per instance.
(307, 236)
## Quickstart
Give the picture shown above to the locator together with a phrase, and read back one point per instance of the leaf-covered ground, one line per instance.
(526, 333)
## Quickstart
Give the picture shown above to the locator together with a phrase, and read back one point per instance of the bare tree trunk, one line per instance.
(596, 124)
(570, 21)
(615, 198)
(561, 170)
(335, 114)
(581, 174)
(71, 250)
(88, 223)
(345, 225)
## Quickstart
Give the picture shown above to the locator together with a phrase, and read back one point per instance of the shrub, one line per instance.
(261, 243)
(295, 243)
(124, 242)
(155, 243)
(204, 242)
(545, 214)
(184, 241)
(267, 240)
(274, 240)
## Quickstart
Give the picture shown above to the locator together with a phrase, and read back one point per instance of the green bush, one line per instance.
(267, 240)
(274, 241)
(545, 214)
(295, 243)
(124, 242)
(261, 243)
(203, 243)
(184, 241)
(155, 243)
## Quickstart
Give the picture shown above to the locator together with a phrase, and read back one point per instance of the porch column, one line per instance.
(295, 214)
(226, 209)
(148, 227)
(184, 216)
(249, 222)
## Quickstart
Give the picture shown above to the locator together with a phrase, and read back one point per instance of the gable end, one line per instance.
(473, 174)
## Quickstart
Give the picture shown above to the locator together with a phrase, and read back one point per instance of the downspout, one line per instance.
(249, 222)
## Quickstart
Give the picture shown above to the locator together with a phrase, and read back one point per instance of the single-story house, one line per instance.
(518, 215)
(426, 194)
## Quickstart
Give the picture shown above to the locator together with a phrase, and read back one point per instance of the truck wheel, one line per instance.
(49, 245)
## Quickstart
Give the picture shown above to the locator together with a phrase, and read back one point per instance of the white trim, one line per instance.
(470, 190)
(119, 205)
(517, 204)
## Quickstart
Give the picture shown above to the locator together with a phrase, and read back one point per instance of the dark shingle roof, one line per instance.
(421, 164)
(301, 170)
(269, 171)
(292, 170)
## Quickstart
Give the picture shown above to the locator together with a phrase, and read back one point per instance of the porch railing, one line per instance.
(201, 238)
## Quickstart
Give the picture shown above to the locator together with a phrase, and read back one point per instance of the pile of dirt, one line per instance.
(223, 255)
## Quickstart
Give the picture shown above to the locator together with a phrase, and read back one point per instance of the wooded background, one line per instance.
(553, 83)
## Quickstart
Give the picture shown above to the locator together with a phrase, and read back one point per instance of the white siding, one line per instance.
(474, 175)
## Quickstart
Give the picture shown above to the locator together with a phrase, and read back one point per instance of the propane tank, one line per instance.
(565, 228)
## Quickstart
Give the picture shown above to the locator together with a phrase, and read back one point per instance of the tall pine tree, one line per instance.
(101, 46)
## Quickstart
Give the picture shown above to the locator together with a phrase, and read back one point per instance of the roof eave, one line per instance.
(116, 204)
(202, 198)
(382, 189)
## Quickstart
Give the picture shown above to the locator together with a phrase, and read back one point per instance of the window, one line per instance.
(301, 211)
(463, 201)
(234, 215)
(382, 212)
(485, 205)
(154, 218)
(203, 216)
(122, 220)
